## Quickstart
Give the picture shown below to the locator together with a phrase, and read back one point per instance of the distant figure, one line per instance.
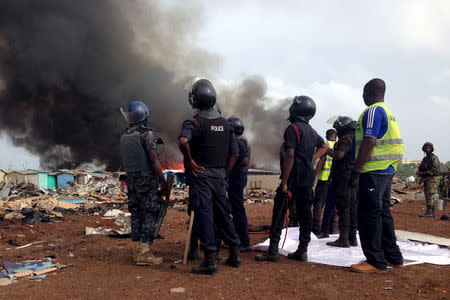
(379, 150)
(428, 170)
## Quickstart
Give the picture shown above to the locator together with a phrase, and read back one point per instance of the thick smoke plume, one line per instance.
(264, 118)
(67, 66)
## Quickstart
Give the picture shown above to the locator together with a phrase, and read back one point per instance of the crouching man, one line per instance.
(141, 163)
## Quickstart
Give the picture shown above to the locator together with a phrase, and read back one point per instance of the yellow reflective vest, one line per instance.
(388, 150)
(324, 174)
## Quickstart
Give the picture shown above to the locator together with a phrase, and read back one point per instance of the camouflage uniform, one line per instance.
(444, 184)
(143, 204)
(430, 163)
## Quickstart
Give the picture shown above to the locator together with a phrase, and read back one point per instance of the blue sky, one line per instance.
(328, 50)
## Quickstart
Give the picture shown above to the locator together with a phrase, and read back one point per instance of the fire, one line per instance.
(167, 164)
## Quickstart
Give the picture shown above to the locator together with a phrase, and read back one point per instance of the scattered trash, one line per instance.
(71, 254)
(28, 245)
(388, 288)
(250, 278)
(178, 261)
(178, 290)
(123, 219)
(5, 281)
(32, 268)
(38, 277)
(34, 217)
(13, 243)
(395, 200)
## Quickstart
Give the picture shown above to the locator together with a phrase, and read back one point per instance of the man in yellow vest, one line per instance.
(379, 150)
(320, 193)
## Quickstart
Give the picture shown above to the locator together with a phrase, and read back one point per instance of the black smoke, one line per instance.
(264, 118)
(68, 66)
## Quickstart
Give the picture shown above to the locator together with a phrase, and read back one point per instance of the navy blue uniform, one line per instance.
(236, 184)
(207, 191)
(142, 183)
(300, 182)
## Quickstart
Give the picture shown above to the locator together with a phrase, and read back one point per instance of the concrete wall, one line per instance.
(263, 181)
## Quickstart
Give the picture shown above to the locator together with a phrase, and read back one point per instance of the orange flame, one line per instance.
(167, 164)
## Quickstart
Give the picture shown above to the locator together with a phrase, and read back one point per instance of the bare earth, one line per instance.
(102, 267)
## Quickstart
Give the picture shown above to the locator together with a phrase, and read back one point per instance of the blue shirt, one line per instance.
(375, 124)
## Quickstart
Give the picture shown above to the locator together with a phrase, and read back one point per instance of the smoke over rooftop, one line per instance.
(67, 66)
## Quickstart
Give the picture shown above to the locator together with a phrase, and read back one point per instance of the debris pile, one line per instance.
(258, 195)
(32, 269)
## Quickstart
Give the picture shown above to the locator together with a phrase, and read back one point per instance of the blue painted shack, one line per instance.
(63, 179)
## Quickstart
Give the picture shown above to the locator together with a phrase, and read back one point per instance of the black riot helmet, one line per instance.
(237, 125)
(302, 108)
(344, 124)
(202, 94)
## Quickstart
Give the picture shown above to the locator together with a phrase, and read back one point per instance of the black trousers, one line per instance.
(375, 223)
(207, 198)
(320, 198)
(329, 215)
(236, 199)
(304, 198)
(346, 204)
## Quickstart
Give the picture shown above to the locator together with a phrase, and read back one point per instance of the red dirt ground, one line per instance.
(102, 267)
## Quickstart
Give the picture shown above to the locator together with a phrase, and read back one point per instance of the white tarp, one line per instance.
(319, 252)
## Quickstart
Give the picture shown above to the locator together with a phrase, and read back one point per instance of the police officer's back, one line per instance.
(210, 150)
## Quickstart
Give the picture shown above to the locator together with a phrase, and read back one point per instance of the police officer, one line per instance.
(343, 194)
(379, 150)
(428, 171)
(210, 150)
(321, 190)
(302, 146)
(237, 181)
(141, 163)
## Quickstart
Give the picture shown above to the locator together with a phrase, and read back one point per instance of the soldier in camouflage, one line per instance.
(444, 188)
(428, 170)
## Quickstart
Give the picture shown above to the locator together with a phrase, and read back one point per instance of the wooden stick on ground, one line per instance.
(188, 238)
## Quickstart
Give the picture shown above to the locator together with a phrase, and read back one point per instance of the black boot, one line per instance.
(270, 255)
(193, 255)
(352, 240)
(193, 250)
(233, 260)
(300, 255)
(323, 235)
(429, 213)
(208, 267)
(340, 242)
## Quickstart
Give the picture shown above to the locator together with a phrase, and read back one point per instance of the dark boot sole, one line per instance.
(205, 272)
(298, 258)
(262, 259)
(338, 246)
(233, 263)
